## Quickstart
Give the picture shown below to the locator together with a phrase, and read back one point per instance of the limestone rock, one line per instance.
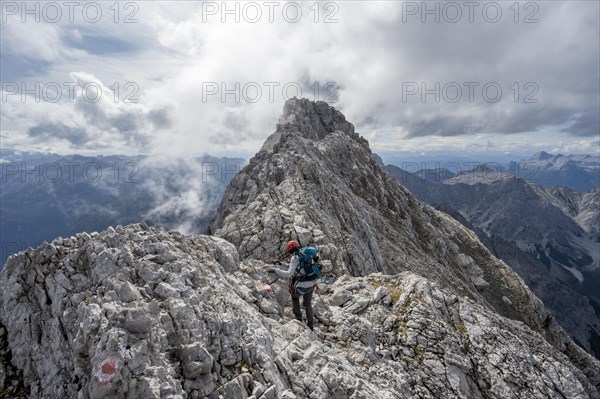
(198, 331)
(316, 175)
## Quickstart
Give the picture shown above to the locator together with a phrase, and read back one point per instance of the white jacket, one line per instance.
(290, 272)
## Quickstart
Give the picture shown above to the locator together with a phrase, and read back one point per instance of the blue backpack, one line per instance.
(307, 256)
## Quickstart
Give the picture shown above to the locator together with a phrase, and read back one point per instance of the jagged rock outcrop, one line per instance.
(326, 188)
(139, 312)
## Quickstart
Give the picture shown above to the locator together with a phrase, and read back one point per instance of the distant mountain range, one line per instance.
(578, 172)
(549, 236)
(45, 196)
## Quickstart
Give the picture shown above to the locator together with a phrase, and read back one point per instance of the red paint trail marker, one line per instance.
(106, 368)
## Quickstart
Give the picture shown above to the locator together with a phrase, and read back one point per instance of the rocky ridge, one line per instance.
(325, 187)
(143, 312)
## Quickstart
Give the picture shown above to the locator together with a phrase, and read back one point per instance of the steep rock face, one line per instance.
(139, 312)
(520, 212)
(517, 221)
(583, 207)
(329, 190)
(589, 213)
(574, 311)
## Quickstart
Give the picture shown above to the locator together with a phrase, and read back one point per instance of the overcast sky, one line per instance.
(185, 77)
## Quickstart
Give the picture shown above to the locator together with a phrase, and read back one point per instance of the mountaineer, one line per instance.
(303, 274)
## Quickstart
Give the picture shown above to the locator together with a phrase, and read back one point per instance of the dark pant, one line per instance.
(306, 294)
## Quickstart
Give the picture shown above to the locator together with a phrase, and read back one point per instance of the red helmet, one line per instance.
(292, 246)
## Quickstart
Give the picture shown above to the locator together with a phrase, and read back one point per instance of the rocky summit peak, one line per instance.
(313, 120)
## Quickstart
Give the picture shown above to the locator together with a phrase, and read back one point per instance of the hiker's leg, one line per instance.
(309, 310)
(296, 307)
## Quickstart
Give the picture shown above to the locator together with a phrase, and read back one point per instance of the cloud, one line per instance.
(585, 125)
(96, 118)
(371, 54)
(185, 192)
(100, 43)
(38, 41)
(160, 118)
(52, 131)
